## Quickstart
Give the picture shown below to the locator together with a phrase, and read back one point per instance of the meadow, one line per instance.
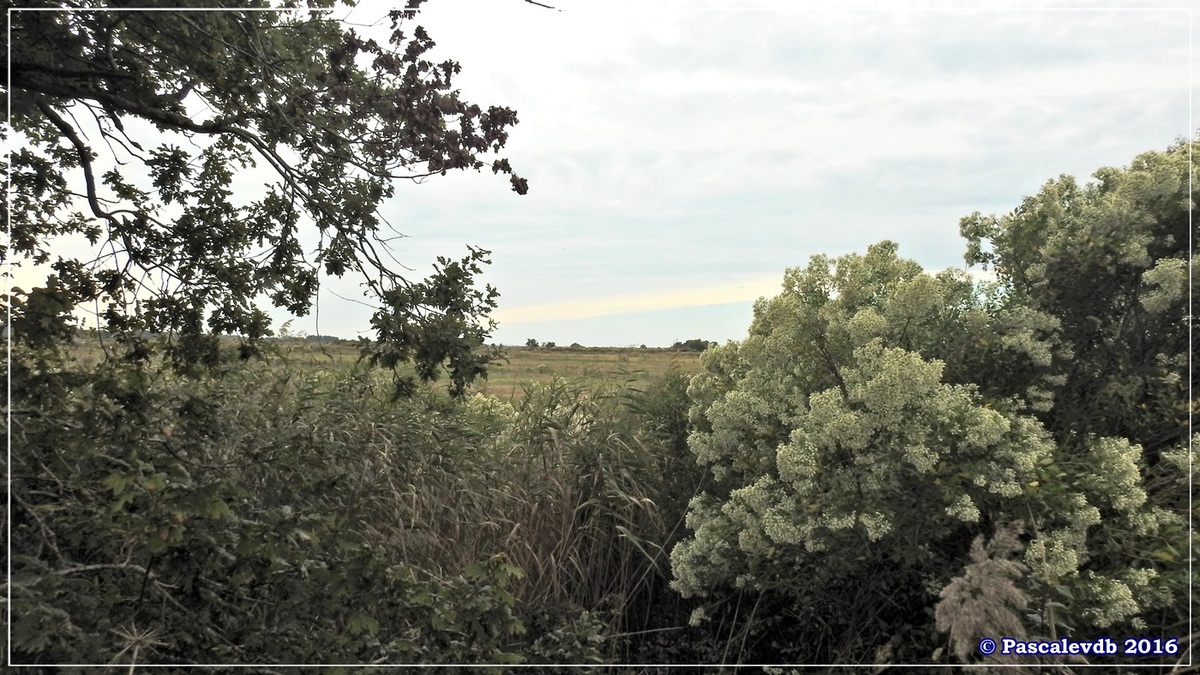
(895, 466)
(521, 367)
(636, 368)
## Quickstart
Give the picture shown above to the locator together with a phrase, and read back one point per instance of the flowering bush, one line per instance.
(878, 419)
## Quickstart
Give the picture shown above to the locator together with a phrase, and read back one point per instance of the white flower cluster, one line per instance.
(985, 427)
(701, 562)
(866, 325)
(766, 516)
(876, 524)
(1115, 475)
(1140, 577)
(887, 381)
(1054, 555)
(921, 457)
(1167, 282)
(1110, 600)
(1087, 516)
(797, 460)
(831, 424)
(1023, 337)
(491, 406)
(1182, 458)
(835, 520)
(964, 509)
(999, 479)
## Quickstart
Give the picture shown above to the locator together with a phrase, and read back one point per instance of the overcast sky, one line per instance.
(681, 157)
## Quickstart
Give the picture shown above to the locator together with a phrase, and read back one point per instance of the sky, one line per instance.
(681, 156)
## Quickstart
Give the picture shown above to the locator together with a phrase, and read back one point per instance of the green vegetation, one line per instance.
(512, 374)
(276, 513)
(887, 468)
(694, 345)
(879, 423)
(335, 119)
(891, 465)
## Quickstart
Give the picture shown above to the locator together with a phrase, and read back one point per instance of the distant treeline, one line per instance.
(694, 345)
(688, 346)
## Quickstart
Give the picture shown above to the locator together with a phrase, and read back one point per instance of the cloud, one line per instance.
(683, 154)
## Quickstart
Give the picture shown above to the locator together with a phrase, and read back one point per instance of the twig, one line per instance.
(133, 567)
(47, 533)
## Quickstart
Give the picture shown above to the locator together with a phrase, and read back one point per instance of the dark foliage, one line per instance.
(155, 117)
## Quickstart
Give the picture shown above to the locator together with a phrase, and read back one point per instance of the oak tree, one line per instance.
(137, 130)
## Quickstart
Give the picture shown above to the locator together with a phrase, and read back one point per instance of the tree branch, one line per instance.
(84, 152)
(833, 369)
(47, 533)
(164, 117)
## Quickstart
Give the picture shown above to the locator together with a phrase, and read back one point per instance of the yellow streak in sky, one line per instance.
(746, 290)
(586, 308)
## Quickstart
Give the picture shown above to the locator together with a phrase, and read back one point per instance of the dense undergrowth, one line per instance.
(271, 514)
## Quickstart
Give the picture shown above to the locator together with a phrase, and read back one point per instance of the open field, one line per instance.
(522, 367)
(507, 378)
(595, 365)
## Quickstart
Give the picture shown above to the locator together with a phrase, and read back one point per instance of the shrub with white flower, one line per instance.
(875, 421)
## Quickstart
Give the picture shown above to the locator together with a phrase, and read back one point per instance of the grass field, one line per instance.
(594, 365)
(508, 378)
(522, 367)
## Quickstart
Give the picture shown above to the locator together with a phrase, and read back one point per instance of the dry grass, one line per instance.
(595, 366)
(566, 490)
(985, 600)
(508, 379)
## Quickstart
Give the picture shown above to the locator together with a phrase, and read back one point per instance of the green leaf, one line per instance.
(118, 483)
(214, 507)
(475, 570)
(154, 482)
(1166, 555)
(360, 622)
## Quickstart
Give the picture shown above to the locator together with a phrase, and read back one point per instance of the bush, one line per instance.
(232, 520)
(878, 423)
(264, 513)
(693, 345)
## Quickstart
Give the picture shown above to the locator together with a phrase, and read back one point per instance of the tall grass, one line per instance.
(569, 485)
(277, 470)
(582, 484)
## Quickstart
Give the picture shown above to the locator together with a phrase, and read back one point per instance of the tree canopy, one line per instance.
(136, 128)
(1109, 261)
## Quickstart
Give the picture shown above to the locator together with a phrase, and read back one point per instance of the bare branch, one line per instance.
(84, 152)
(47, 534)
